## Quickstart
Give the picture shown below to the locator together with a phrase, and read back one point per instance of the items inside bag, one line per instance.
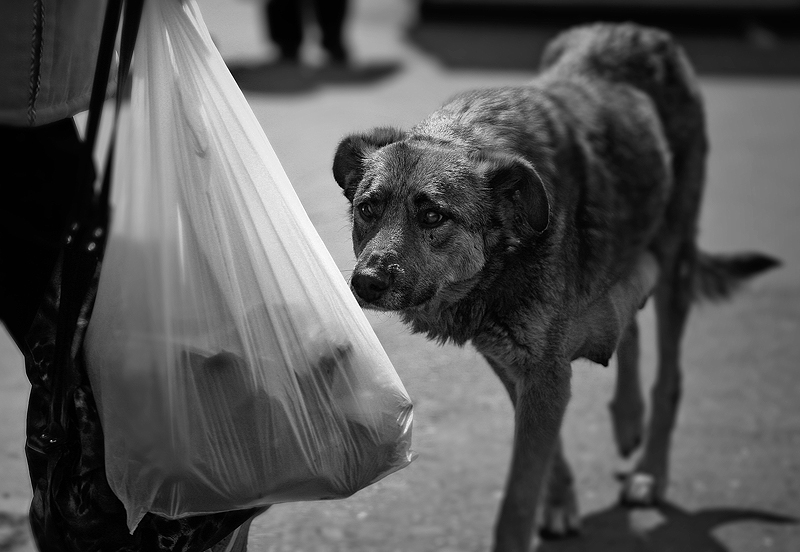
(233, 436)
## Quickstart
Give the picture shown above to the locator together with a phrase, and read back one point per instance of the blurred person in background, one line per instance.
(286, 22)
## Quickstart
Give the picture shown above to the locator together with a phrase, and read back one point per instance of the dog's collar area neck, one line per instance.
(457, 322)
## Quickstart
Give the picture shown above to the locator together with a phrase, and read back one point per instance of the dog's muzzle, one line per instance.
(371, 285)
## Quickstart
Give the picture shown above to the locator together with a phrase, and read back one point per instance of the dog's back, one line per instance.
(644, 57)
(651, 61)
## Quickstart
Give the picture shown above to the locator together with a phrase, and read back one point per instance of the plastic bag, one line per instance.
(231, 365)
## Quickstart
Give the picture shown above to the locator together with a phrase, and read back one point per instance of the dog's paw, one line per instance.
(559, 522)
(559, 517)
(628, 426)
(640, 490)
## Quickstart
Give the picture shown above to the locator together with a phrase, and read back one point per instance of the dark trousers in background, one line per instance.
(39, 176)
(285, 23)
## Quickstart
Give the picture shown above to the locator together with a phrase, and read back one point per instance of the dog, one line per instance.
(534, 222)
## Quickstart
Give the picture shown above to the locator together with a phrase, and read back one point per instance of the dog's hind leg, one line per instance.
(677, 254)
(673, 296)
(648, 482)
(627, 406)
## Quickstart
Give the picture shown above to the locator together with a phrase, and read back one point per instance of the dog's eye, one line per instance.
(431, 218)
(366, 212)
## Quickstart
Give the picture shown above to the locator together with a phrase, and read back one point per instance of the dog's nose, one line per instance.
(370, 287)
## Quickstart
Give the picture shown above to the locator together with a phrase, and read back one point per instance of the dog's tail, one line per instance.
(717, 276)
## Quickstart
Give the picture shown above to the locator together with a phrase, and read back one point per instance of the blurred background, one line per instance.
(736, 455)
(723, 37)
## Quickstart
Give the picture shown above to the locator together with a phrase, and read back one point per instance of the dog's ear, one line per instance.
(516, 180)
(348, 162)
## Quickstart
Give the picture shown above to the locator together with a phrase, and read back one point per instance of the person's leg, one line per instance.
(284, 20)
(41, 169)
(330, 17)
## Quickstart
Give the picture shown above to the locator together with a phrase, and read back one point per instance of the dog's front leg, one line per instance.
(542, 393)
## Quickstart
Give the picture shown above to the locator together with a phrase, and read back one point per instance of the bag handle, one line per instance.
(85, 242)
(102, 71)
(128, 34)
(130, 29)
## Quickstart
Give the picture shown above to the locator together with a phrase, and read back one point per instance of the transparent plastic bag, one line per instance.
(231, 365)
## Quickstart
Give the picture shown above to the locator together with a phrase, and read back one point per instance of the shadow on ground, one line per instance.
(719, 42)
(659, 529)
(282, 78)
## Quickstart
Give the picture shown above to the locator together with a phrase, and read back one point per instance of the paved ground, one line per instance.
(736, 459)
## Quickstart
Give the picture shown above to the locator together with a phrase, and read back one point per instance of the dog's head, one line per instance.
(427, 215)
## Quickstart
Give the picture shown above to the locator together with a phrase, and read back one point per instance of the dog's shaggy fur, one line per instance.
(534, 221)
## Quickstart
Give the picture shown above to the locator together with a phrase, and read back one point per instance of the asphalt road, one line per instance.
(736, 455)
